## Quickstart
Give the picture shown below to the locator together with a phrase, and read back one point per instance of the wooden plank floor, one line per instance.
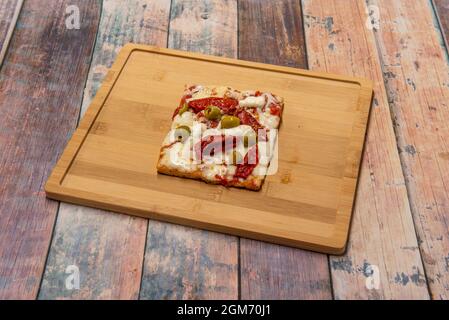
(399, 238)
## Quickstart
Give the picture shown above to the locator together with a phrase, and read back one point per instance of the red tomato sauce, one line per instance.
(244, 170)
(226, 105)
(275, 110)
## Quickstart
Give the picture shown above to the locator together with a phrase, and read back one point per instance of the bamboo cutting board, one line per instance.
(110, 162)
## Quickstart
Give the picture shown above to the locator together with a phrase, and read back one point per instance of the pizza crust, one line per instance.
(252, 182)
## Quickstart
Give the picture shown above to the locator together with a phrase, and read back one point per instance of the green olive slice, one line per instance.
(212, 113)
(182, 133)
(228, 122)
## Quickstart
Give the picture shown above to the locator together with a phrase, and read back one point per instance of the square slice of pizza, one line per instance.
(222, 136)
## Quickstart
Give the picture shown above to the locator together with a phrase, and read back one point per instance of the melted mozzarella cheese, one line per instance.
(231, 171)
(211, 172)
(268, 120)
(186, 119)
(212, 132)
(258, 102)
(209, 91)
(260, 170)
(240, 131)
(180, 156)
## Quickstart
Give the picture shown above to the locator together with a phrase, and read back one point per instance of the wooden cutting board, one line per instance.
(110, 162)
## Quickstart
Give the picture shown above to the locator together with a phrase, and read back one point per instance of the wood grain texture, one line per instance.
(205, 26)
(9, 13)
(272, 32)
(442, 12)
(107, 247)
(382, 235)
(415, 60)
(207, 265)
(186, 263)
(40, 94)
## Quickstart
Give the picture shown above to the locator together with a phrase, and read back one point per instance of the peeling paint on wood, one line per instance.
(40, 94)
(108, 248)
(442, 12)
(182, 262)
(426, 172)
(382, 223)
(272, 32)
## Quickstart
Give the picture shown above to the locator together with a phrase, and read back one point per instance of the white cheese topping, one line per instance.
(268, 120)
(179, 156)
(212, 132)
(248, 102)
(211, 171)
(240, 131)
(231, 171)
(186, 119)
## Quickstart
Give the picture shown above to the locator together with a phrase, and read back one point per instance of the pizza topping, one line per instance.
(236, 157)
(223, 180)
(275, 110)
(213, 170)
(232, 127)
(251, 161)
(213, 144)
(253, 101)
(186, 119)
(248, 119)
(226, 105)
(183, 106)
(212, 113)
(228, 122)
(182, 133)
(170, 145)
(249, 140)
(214, 124)
(268, 120)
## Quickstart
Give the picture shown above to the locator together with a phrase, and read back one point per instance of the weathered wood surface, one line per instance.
(415, 63)
(271, 32)
(107, 247)
(383, 242)
(442, 13)
(182, 262)
(9, 13)
(188, 263)
(41, 85)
